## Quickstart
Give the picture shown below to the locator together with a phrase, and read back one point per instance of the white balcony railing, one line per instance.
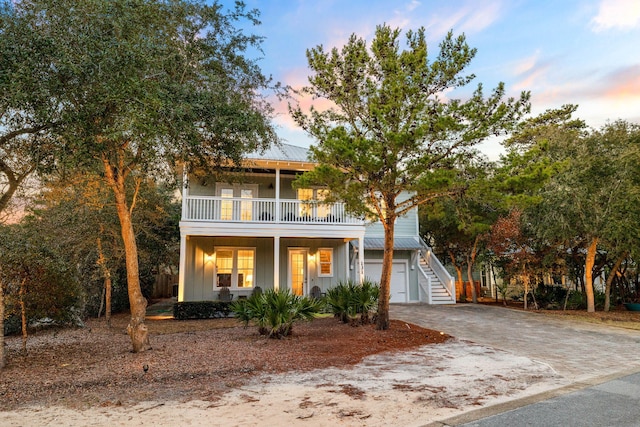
(220, 209)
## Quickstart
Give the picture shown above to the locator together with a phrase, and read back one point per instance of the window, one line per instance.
(324, 209)
(305, 195)
(232, 209)
(325, 262)
(246, 207)
(313, 208)
(235, 267)
(226, 206)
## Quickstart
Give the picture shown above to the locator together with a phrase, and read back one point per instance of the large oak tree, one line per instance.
(147, 83)
(392, 127)
(28, 111)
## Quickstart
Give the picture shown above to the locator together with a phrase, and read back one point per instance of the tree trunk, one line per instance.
(612, 275)
(525, 280)
(106, 273)
(463, 291)
(588, 271)
(471, 259)
(136, 329)
(101, 302)
(474, 297)
(23, 315)
(385, 280)
(2, 352)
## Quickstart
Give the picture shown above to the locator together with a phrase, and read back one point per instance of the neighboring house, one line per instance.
(259, 231)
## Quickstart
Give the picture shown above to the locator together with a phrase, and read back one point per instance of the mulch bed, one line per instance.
(190, 359)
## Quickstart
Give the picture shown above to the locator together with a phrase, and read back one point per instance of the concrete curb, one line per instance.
(500, 408)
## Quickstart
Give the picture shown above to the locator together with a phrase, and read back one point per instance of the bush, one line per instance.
(351, 302)
(550, 297)
(201, 309)
(578, 300)
(275, 312)
(12, 325)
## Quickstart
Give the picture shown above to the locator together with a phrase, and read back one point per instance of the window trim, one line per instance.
(234, 268)
(319, 263)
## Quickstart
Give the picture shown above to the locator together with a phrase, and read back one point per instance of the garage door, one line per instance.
(373, 271)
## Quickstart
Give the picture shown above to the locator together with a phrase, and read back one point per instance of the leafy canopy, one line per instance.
(391, 127)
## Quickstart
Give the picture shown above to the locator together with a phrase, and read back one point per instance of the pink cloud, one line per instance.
(531, 73)
(622, 83)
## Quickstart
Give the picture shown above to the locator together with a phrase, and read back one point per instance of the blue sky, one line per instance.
(585, 52)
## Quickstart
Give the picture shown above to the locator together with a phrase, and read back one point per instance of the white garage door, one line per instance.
(373, 271)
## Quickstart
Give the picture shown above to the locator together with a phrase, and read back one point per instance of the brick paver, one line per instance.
(577, 351)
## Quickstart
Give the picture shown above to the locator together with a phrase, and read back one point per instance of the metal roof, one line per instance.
(282, 152)
(399, 243)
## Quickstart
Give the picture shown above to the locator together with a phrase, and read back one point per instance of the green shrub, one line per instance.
(578, 300)
(350, 301)
(275, 312)
(201, 309)
(550, 297)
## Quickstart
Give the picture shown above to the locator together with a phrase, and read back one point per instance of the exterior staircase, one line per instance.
(437, 286)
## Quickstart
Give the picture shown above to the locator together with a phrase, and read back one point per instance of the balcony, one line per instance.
(265, 211)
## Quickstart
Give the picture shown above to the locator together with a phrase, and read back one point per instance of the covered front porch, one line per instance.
(303, 262)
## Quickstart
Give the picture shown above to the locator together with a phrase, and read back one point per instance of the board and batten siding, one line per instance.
(340, 265)
(266, 186)
(406, 226)
(200, 284)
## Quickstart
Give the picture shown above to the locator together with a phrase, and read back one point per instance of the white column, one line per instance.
(182, 267)
(277, 194)
(347, 257)
(185, 191)
(276, 263)
(361, 259)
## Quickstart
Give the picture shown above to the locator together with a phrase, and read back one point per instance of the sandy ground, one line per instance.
(410, 388)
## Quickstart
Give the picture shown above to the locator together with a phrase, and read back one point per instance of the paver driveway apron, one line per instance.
(577, 351)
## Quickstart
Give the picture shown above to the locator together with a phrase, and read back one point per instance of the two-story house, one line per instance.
(258, 231)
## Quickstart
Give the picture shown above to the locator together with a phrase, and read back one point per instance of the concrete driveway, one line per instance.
(584, 354)
(577, 351)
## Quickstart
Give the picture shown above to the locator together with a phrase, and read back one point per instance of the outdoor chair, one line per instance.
(225, 295)
(316, 292)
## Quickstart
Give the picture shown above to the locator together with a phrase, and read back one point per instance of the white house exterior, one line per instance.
(259, 231)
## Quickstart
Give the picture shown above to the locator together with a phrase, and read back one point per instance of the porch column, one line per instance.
(361, 259)
(182, 266)
(276, 263)
(185, 192)
(277, 194)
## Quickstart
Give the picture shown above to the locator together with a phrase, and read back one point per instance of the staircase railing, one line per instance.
(443, 275)
(426, 291)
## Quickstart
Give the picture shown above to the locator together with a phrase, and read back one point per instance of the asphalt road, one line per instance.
(613, 403)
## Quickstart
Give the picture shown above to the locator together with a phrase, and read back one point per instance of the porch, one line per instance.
(265, 211)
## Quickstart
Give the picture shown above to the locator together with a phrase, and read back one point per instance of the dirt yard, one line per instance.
(196, 359)
(215, 372)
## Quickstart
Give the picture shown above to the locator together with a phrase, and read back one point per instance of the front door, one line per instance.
(298, 271)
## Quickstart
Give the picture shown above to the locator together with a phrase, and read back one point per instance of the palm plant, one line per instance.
(349, 301)
(275, 312)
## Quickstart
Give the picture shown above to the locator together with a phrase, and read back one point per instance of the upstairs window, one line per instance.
(314, 208)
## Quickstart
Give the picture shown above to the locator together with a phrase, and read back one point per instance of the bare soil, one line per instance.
(195, 359)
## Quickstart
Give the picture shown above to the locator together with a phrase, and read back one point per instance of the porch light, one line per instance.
(208, 258)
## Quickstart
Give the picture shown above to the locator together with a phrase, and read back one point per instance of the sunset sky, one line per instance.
(585, 52)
